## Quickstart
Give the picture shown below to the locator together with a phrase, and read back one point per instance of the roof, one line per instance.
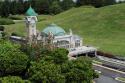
(31, 12)
(54, 29)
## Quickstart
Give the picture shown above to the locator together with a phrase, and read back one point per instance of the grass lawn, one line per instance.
(100, 27)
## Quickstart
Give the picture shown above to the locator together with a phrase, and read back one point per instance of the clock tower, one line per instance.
(31, 20)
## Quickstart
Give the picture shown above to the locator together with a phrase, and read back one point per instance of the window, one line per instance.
(77, 43)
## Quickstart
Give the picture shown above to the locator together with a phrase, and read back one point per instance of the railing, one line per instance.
(113, 61)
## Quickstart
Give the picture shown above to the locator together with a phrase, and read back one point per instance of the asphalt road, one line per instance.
(105, 79)
(107, 75)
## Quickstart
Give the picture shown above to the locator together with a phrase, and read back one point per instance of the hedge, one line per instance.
(5, 21)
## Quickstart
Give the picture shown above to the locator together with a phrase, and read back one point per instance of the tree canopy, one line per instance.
(12, 60)
(47, 6)
(52, 66)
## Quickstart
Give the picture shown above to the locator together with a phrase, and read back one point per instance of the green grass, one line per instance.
(100, 27)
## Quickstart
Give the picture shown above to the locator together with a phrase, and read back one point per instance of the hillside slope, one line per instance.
(101, 27)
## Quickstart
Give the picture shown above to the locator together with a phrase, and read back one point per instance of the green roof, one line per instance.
(31, 12)
(53, 28)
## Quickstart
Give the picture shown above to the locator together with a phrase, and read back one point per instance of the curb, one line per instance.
(117, 78)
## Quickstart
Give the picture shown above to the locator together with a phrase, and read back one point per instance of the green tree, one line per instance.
(57, 56)
(67, 4)
(42, 6)
(55, 67)
(45, 72)
(96, 3)
(13, 79)
(12, 60)
(83, 2)
(13, 8)
(55, 7)
(20, 7)
(78, 71)
(60, 55)
(4, 9)
(110, 2)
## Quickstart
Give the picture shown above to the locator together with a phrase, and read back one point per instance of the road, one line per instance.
(107, 75)
(105, 79)
(115, 63)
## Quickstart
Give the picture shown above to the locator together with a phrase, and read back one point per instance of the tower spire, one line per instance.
(31, 20)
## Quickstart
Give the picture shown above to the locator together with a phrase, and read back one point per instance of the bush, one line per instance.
(15, 18)
(5, 21)
(45, 72)
(12, 60)
(13, 79)
(54, 67)
(14, 34)
(78, 71)
(58, 56)
(2, 28)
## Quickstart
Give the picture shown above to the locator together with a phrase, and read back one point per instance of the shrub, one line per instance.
(54, 67)
(15, 18)
(5, 21)
(78, 71)
(58, 56)
(13, 79)
(12, 60)
(2, 28)
(4, 35)
(44, 72)
(14, 34)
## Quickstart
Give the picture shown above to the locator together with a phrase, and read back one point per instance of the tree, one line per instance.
(13, 79)
(55, 7)
(60, 55)
(78, 71)
(20, 7)
(33, 3)
(4, 10)
(42, 6)
(13, 8)
(83, 2)
(96, 3)
(67, 4)
(110, 2)
(45, 72)
(55, 67)
(12, 60)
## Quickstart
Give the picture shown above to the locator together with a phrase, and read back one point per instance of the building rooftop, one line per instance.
(31, 12)
(54, 29)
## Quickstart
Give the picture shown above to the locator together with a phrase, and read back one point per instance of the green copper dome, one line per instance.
(53, 28)
(31, 12)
